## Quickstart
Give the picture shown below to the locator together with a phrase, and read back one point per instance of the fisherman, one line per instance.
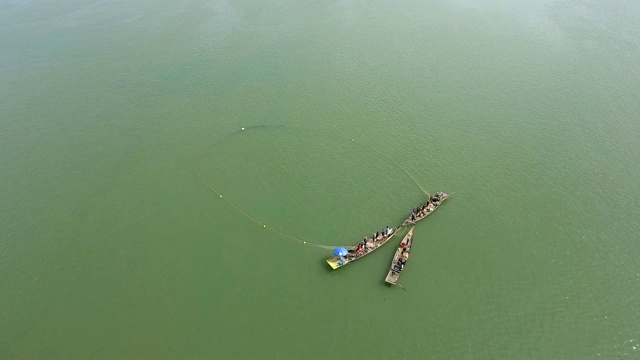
(388, 230)
(413, 216)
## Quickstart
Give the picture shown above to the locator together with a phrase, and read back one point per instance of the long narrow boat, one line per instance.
(426, 209)
(400, 258)
(366, 247)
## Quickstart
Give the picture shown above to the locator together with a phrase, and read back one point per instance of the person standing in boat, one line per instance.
(403, 258)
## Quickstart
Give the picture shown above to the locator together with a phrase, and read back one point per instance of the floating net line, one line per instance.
(260, 222)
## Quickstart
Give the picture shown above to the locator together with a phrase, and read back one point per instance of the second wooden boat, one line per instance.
(400, 258)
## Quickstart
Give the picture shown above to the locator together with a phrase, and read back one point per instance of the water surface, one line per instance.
(112, 247)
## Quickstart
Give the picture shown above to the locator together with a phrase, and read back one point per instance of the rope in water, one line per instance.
(329, 247)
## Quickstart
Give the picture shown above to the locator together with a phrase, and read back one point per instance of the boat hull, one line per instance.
(396, 266)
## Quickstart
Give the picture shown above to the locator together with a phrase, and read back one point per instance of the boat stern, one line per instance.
(334, 263)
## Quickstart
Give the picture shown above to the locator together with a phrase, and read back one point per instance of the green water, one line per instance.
(111, 247)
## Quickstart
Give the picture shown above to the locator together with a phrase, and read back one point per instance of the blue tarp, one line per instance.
(340, 251)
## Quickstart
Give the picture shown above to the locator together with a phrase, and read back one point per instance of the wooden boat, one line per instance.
(400, 259)
(361, 250)
(427, 208)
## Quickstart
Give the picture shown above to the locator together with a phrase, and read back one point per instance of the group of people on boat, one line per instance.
(402, 260)
(366, 244)
(382, 234)
(421, 210)
(427, 207)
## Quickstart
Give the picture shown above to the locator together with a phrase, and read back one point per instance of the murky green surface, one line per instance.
(111, 247)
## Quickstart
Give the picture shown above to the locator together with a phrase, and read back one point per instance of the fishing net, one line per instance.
(309, 185)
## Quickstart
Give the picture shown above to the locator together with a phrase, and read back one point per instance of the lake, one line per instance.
(112, 246)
